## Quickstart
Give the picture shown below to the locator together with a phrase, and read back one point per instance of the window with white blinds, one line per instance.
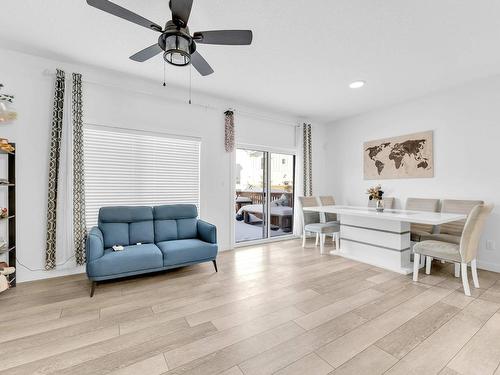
(132, 168)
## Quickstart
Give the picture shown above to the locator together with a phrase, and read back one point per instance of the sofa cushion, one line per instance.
(175, 212)
(123, 225)
(187, 228)
(132, 258)
(141, 232)
(186, 251)
(125, 214)
(175, 221)
(115, 234)
(165, 230)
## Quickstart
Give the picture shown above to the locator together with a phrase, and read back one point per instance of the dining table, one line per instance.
(380, 238)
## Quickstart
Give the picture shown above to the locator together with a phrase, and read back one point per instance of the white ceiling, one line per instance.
(304, 53)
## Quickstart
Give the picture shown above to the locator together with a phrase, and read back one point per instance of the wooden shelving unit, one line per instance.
(11, 219)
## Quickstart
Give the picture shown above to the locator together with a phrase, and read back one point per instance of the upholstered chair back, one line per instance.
(469, 243)
(175, 222)
(455, 206)
(328, 200)
(420, 204)
(307, 216)
(124, 225)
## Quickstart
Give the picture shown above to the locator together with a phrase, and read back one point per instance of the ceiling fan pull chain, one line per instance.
(164, 68)
(190, 68)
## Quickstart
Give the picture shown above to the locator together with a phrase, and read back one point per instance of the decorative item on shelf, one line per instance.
(376, 193)
(4, 283)
(6, 273)
(7, 112)
(4, 213)
(6, 146)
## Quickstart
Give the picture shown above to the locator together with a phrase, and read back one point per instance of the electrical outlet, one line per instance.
(490, 245)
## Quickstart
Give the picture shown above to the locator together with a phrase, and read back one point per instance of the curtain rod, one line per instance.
(254, 115)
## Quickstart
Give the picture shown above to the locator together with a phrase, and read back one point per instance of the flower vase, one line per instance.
(379, 206)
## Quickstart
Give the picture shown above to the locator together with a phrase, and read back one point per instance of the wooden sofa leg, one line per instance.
(92, 289)
(215, 265)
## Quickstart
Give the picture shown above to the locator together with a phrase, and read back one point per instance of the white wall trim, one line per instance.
(488, 266)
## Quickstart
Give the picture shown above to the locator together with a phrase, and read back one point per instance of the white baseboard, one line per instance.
(488, 266)
(24, 275)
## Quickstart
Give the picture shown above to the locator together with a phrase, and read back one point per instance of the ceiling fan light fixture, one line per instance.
(177, 50)
(175, 41)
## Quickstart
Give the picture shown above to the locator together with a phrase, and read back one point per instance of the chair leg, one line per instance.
(317, 239)
(457, 269)
(321, 242)
(473, 267)
(428, 265)
(337, 241)
(465, 281)
(215, 265)
(416, 266)
(304, 238)
(92, 288)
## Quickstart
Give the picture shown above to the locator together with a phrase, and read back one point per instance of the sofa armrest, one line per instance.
(207, 232)
(94, 246)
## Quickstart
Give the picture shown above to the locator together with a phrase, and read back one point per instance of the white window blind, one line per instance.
(132, 168)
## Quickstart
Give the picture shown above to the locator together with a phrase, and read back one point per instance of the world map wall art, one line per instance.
(407, 156)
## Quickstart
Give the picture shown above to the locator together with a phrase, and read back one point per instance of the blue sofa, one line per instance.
(154, 239)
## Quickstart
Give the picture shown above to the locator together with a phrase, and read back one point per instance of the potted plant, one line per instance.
(376, 193)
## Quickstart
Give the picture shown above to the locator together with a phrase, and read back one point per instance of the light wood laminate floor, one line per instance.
(272, 309)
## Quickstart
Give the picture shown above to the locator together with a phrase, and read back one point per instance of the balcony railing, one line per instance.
(257, 197)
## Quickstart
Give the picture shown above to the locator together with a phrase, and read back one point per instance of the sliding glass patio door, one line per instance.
(264, 200)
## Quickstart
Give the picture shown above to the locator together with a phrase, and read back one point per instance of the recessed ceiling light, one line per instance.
(357, 84)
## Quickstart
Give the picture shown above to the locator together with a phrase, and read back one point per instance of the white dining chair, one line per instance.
(452, 232)
(463, 253)
(418, 232)
(312, 223)
(329, 200)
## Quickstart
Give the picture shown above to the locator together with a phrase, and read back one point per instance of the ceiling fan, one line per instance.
(175, 41)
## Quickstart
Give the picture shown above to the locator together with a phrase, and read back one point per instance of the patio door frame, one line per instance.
(267, 177)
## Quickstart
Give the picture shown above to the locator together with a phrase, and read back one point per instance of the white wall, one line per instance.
(115, 99)
(466, 125)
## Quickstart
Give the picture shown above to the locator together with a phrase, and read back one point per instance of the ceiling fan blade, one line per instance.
(116, 10)
(146, 53)
(226, 37)
(200, 64)
(181, 9)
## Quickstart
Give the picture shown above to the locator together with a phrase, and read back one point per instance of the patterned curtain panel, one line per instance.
(229, 131)
(79, 231)
(54, 160)
(307, 157)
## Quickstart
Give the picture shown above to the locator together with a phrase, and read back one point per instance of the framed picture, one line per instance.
(407, 156)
